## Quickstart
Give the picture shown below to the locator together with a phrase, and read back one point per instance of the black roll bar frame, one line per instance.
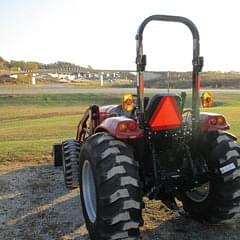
(197, 63)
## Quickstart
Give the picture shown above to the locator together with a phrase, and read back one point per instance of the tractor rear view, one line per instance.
(154, 148)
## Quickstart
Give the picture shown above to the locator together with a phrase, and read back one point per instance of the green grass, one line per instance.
(56, 99)
(31, 124)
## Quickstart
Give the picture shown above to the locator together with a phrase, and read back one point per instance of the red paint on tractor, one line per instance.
(213, 122)
(209, 122)
(120, 127)
(198, 83)
(142, 84)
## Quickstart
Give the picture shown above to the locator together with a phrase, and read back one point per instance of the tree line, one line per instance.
(213, 79)
(209, 79)
(14, 65)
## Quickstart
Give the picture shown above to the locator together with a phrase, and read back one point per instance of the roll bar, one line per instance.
(197, 65)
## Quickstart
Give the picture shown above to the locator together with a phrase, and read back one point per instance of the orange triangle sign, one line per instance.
(166, 115)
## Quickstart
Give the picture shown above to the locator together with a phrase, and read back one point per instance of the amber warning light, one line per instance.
(166, 115)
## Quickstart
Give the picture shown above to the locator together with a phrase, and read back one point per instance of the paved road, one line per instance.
(61, 88)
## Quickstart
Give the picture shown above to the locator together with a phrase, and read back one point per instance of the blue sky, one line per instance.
(101, 33)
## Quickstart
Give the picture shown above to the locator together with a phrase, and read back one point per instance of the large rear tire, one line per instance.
(71, 158)
(110, 189)
(218, 200)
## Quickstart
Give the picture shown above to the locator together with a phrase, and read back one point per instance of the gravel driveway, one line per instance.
(34, 204)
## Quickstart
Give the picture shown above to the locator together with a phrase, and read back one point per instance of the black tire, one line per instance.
(57, 154)
(117, 199)
(221, 202)
(71, 158)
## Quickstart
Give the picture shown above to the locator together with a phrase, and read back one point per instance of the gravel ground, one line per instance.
(34, 204)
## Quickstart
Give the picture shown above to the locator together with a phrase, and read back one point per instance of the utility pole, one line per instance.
(101, 79)
(34, 79)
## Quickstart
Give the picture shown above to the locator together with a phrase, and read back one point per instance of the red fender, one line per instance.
(213, 122)
(121, 128)
(210, 121)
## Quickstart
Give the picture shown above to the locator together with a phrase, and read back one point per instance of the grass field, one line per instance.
(31, 124)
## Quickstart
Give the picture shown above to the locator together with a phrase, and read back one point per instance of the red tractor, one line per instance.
(155, 148)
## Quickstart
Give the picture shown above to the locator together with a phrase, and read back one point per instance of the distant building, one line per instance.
(15, 76)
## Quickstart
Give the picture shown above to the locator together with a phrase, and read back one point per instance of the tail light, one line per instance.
(213, 122)
(127, 126)
(132, 126)
(121, 128)
(217, 120)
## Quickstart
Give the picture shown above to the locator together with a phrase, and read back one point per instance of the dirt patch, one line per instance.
(35, 205)
(11, 160)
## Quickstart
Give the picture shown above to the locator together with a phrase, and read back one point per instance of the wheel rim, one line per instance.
(199, 194)
(89, 190)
